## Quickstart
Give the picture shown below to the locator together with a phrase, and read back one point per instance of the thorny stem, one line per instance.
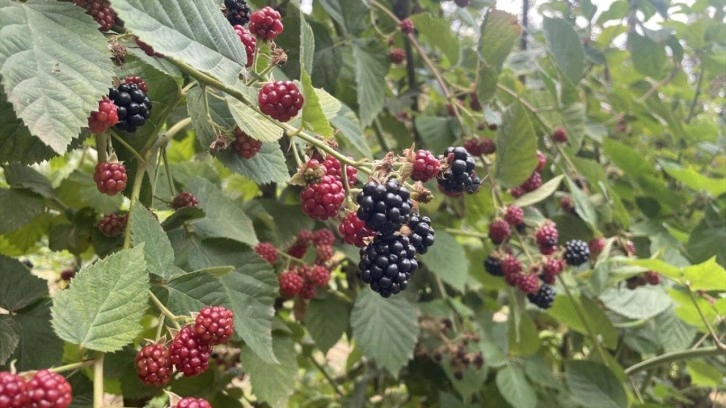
(673, 357)
(585, 323)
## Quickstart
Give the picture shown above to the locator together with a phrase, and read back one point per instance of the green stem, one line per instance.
(699, 83)
(327, 376)
(160, 328)
(715, 337)
(464, 233)
(101, 147)
(138, 180)
(98, 381)
(72, 366)
(167, 170)
(673, 357)
(128, 147)
(585, 323)
(166, 312)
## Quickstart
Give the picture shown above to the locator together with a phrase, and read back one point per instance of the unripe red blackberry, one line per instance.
(653, 278)
(533, 182)
(547, 235)
(516, 192)
(106, 116)
(324, 253)
(183, 200)
(147, 49)
(510, 265)
(110, 178)
(550, 269)
(266, 23)
(135, 79)
(480, 145)
(48, 389)
(112, 225)
(567, 204)
(559, 135)
(334, 168)
(305, 235)
(290, 283)
(191, 402)
(541, 161)
(280, 100)
(397, 55)
(323, 200)
(474, 102)
(100, 10)
(596, 245)
(323, 237)
(298, 249)
(267, 251)
(514, 215)
(528, 283)
(244, 145)
(406, 26)
(248, 41)
(214, 325)
(308, 291)
(13, 391)
(319, 276)
(153, 365)
(354, 230)
(425, 166)
(188, 354)
(499, 231)
(66, 275)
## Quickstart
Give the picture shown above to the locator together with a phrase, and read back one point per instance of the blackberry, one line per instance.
(112, 225)
(110, 177)
(387, 264)
(354, 230)
(153, 366)
(267, 251)
(323, 200)
(191, 402)
(100, 10)
(237, 12)
(541, 161)
(406, 26)
(493, 266)
(135, 79)
(133, 106)
(48, 389)
(544, 297)
(474, 102)
(397, 55)
(533, 182)
(576, 252)
(323, 237)
(280, 100)
(499, 231)
(13, 391)
(103, 118)
(214, 325)
(244, 145)
(183, 200)
(248, 41)
(460, 175)
(266, 23)
(422, 235)
(188, 354)
(559, 135)
(384, 207)
(462, 3)
(425, 166)
(290, 283)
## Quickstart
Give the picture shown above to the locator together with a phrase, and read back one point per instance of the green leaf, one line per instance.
(523, 340)
(704, 374)
(350, 14)
(272, 382)
(435, 131)
(14, 215)
(103, 307)
(515, 388)
(583, 206)
(52, 83)
(16, 142)
(371, 67)
(189, 293)
(674, 333)
(564, 311)
(347, 122)
(159, 255)
(327, 320)
(544, 191)
(649, 57)
(499, 31)
(447, 260)
(486, 86)
(642, 303)
(573, 118)
(312, 115)
(707, 238)
(516, 147)
(193, 32)
(251, 122)
(26, 177)
(224, 218)
(386, 329)
(9, 337)
(36, 334)
(19, 287)
(564, 45)
(594, 385)
(437, 32)
(706, 276)
(694, 180)
(307, 46)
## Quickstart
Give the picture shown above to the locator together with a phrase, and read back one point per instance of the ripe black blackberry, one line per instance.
(133, 106)
(387, 264)
(238, 12)
(576, 252)
(384, 207)
(422, 235)
(493, 266)
(544, 297)
(460, 176)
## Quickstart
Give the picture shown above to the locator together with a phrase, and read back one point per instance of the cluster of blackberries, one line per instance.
(457, 350)
(190, 349)
(45, 389)
(645, 278)
(480, 145)
(534, 181)
(126, 107)
(459, 176)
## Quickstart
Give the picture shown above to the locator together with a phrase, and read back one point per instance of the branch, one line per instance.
(699, 83)
(674, 356)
